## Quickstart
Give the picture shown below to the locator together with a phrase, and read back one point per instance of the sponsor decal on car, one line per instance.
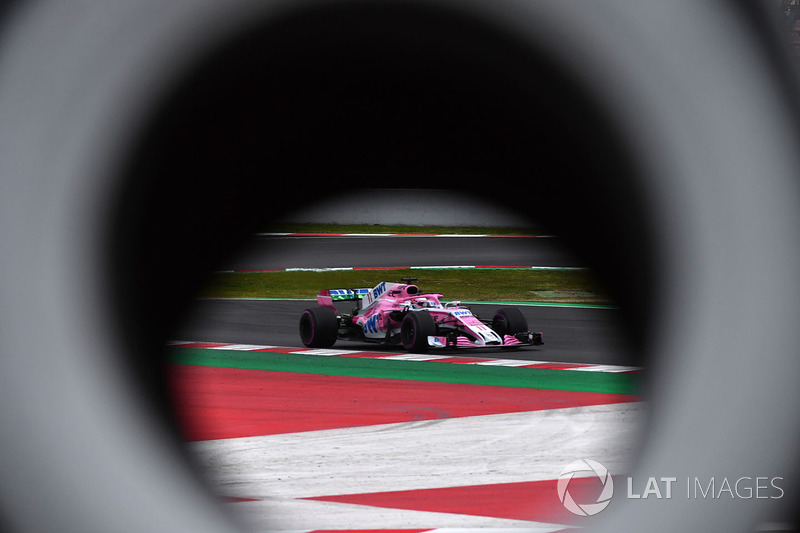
(371, 325)
(378, 290)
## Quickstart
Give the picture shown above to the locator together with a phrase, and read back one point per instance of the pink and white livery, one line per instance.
(396, 313)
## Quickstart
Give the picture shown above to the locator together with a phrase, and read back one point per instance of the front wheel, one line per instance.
(319, 327)
(508, 321)
(415, 330)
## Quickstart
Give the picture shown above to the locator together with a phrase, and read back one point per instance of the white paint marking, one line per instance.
(604, 368)
(416, 357)
(410, 234)
(325, 269)
(476, 450)
(503, 362)
(365, 235)
(286, 515)
(241, 347)
(324, 352)
(457, 235)
(442, 267)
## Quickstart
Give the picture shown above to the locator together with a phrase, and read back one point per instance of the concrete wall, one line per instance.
(414, 207)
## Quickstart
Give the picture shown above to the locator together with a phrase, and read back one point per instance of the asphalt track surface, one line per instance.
(580, 335)
(262, 253)
(424, 454)
(574, 335)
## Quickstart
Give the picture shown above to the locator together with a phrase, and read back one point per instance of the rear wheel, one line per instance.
(508, 321)
(319, 327)
(415, 330)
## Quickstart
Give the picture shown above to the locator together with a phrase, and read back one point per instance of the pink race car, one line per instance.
(396, 313)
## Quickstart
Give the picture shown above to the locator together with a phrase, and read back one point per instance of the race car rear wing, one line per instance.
(326, 297)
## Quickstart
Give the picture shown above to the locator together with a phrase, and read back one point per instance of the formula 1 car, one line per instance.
(396, 313)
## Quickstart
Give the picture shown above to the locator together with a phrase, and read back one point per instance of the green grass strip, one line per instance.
(531, 304)
(567, 380)
(486, 285)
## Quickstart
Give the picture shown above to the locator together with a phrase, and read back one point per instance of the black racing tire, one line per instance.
(319, 327)
(415, 330)
(508, 321)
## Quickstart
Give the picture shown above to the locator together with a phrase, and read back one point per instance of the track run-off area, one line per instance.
(279, 251)
(366, 437)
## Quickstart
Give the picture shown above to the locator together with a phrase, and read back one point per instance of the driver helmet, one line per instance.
(423, 302)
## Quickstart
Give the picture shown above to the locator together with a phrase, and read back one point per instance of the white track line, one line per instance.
(488, 361)
(242, 347)
(606, 368)
(477, 450)
(472, 450)
(403, 235)
(286, 515)
(401, 267)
